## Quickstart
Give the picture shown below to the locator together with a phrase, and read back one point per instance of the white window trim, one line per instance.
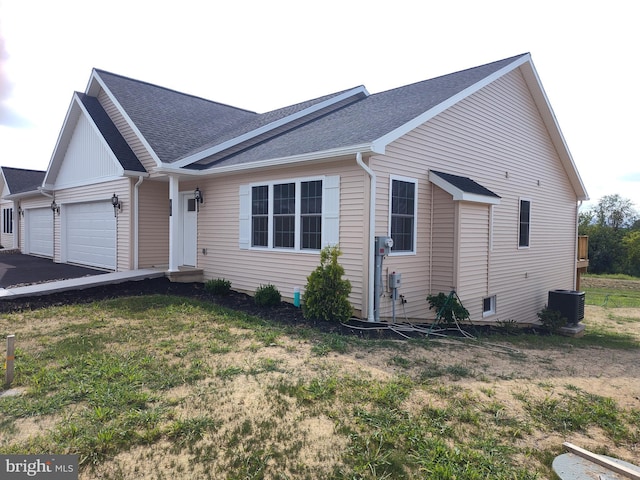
(415, 212)
(492, 311)
(297, 222)
(520, 200)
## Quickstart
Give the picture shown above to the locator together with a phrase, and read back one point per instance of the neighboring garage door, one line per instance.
(39, 237)
(90, 234)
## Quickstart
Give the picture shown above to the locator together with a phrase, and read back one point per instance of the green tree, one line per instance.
(326, 295)
(609, 224)
(615, 211)
(631, 242)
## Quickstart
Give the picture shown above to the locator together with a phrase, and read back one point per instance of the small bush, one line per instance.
(218, 286)
(267, 296)
(448, 308)
(326, 295)
(552, 320)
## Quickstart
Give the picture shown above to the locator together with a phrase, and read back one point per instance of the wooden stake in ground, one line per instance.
(11, 351)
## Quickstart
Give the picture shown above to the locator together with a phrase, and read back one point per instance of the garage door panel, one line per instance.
(40, 232)
(91, 234)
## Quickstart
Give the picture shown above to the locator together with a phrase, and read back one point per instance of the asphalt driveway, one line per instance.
(19, 270)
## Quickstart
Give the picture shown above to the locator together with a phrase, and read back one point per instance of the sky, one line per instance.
(261, 55)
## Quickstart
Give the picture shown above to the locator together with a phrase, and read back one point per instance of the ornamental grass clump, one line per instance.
(326, 295)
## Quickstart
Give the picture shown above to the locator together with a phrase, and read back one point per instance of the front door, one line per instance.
(189, 230)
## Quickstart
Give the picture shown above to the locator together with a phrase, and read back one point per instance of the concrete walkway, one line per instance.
(78, 283)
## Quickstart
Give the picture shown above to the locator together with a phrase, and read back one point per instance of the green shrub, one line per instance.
(218, 286)
(267, 296)
(326, 295)
(448, 308)
(552, 320)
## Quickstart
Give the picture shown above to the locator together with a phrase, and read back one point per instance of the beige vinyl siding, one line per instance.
(473, 261)
(153, 224)
(218, 233)
(102, 192)
(127, 132)
(497, 138)
(444, 237)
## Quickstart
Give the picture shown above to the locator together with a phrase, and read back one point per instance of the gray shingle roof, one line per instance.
(111, 134)
(173, 123)
(20, 180)
(366, 120)
(466, 184)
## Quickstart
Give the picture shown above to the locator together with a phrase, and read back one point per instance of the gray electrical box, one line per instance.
(383, 246)
(395, 280)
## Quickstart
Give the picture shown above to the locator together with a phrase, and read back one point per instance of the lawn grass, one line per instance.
(184, 388)
(613, 296)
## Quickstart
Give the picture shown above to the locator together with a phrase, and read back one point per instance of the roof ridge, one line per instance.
(172, 90)
(457, 72)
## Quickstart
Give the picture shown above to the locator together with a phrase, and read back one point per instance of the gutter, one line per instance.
(372, 232)
(326, 155)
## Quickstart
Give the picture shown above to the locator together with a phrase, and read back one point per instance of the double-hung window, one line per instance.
(288, 215)
(402, 212)
(7, 220)
(524, 230)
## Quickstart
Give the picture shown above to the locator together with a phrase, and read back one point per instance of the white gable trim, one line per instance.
(95, 77)
(76, 110)
(382, 142)
(270, 126)
(461, 195)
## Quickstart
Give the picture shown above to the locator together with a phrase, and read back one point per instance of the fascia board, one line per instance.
(4, 180)
(532, 79)
(268, 127)
(96, 78)
(274, 162)
(460, 195)
(382, 142)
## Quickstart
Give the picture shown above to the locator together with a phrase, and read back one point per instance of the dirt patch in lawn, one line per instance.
(491, 371)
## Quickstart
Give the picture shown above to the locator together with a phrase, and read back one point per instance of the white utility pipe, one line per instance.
(372, 233)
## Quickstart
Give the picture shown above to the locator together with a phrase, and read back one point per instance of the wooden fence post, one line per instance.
(11, 351)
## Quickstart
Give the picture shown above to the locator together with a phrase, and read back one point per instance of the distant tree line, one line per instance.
(613, 227)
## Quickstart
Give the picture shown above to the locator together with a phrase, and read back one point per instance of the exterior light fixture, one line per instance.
(197, 194)
(116, 205)
(199, 197)
(55, 208)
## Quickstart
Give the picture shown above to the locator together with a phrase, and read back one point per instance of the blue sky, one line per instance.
(264, 55)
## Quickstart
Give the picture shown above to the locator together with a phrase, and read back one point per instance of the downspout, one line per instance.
(372, 232)
(136, 226)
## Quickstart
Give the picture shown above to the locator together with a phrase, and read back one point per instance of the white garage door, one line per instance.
(39, 237)
(90, 234)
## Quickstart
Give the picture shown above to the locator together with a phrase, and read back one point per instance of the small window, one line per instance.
(488, 306)
(311, 215)
(260, 216)
(402, 211)
(191, 205)
(7, 220)
(284, 215)
(525, 224)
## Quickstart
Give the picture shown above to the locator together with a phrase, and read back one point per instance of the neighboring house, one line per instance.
(17, 183)
(468, 173)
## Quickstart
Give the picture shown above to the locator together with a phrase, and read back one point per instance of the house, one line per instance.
(468, 173)
(17, 183)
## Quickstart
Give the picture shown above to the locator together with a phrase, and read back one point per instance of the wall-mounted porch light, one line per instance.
(199, 197)
(117, 206)
(55, 208)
